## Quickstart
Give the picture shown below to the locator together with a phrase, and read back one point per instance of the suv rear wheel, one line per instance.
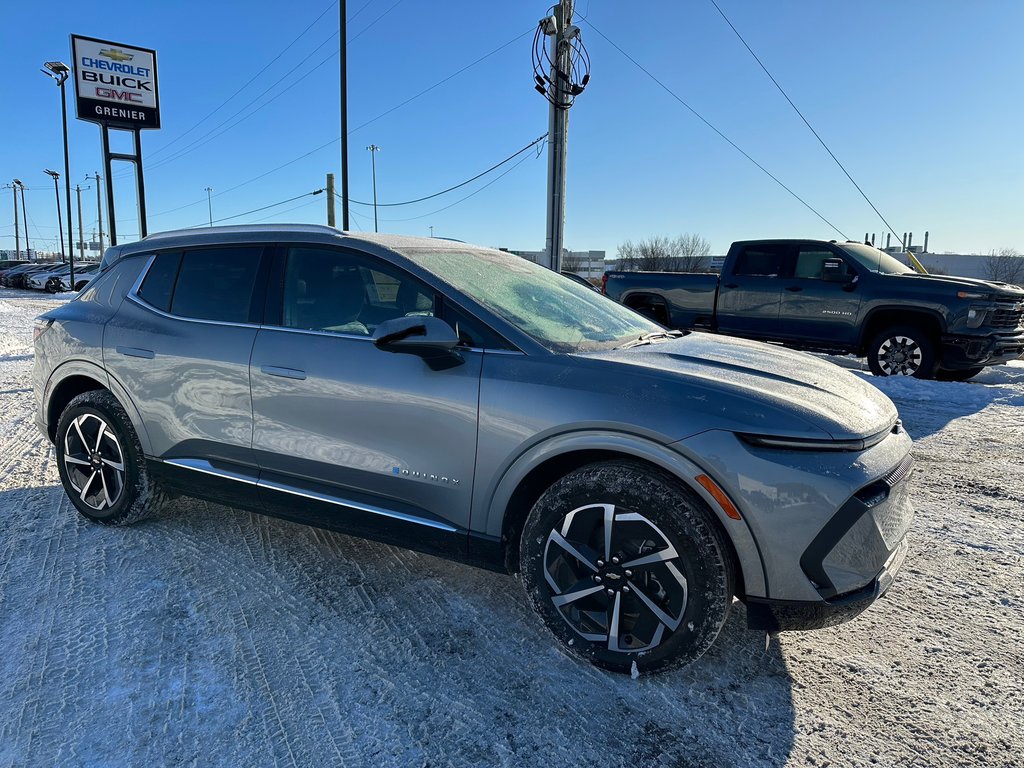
(101, 463)
(903, 350)
(627, 567)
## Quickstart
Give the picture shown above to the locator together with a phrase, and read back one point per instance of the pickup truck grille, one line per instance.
(1006, 318)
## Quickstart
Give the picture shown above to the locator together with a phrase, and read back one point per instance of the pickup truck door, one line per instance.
(817, 311)
(750, 293)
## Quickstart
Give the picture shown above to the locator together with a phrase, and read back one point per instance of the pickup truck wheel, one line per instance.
(101, 464)
(902, 351)
(627, 567)
(960, 375)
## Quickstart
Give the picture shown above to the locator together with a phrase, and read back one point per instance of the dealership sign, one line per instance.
(115, 84)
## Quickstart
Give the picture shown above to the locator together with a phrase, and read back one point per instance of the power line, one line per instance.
(700, 117)
(214, 132)
(360, 126)
(256, 210)
(253, 78)
(471, 194)
(806, 122)
(460, 184)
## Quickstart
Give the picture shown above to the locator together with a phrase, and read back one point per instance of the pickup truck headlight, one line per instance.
(976, 317)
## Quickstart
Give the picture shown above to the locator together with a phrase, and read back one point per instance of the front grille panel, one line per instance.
(1006, 318)
(899, 473)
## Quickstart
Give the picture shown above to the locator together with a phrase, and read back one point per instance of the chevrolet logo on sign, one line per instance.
(116, 55)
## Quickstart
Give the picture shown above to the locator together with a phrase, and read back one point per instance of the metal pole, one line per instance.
(24, 211)
(343, 40)
(81, 237)
(558, 129)
(17, 233)
(374, 149)
(108, 167)
(60, 225)
(330, 199)
(209, 202)
(141, 183)
(99, 211)
(67, 175)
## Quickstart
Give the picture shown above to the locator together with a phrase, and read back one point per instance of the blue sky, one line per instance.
(920, 100)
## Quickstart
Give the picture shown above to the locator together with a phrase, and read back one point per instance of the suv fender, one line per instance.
(494, 505)
(85, 369)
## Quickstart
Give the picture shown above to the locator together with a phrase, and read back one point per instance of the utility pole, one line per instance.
(24, 213)
(60, 225)
(558, 129)
(330, 199)
(431, 230)
(81, 237)
(17, 233)
(209, 203)
(99, 211)
(374, 149)
(343, 41)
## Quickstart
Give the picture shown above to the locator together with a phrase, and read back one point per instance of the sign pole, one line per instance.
(140, 180)
(108, 168)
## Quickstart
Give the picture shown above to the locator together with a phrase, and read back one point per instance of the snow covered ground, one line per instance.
(211, 636)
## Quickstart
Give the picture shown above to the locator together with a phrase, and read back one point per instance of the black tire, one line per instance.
(959, 375)
(902, 350)
(105, 476)
(693, 610)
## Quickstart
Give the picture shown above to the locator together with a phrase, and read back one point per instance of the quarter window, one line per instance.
(329, 290)
(216, 284)
(158, 284)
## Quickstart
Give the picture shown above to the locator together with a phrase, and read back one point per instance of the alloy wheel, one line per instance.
(900, 356)
(615, 577)
(94, 461)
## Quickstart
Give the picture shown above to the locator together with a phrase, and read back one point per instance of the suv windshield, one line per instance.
(876, 260)
(559, 313)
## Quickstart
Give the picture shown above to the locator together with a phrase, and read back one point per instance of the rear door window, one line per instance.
(217, 284)
(764, 261)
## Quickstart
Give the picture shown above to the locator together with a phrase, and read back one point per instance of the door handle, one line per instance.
(286, 373)
(146, 354)
(731, 285)
(794, 288)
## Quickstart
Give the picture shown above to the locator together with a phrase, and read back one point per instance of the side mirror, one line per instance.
(834, 271)
(427, 337)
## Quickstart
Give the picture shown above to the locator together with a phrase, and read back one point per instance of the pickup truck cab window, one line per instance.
(811, 259)
(764, 261)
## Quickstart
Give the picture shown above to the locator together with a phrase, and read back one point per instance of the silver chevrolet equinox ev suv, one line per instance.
(465, 402)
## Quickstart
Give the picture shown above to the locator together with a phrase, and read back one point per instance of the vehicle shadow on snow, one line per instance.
(309, 645)
(926, 407)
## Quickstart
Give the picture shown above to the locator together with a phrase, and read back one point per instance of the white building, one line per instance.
(588, 264)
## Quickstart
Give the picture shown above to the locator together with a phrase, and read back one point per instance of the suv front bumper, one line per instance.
(782, 615)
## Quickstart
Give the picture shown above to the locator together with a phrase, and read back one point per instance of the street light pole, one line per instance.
(209, 202)
(81, 236)
(24, 212)
(374, 149)
(17, 232)
(60, 226)
(59, 72)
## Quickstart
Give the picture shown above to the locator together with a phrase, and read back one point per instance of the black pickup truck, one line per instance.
(842, 298)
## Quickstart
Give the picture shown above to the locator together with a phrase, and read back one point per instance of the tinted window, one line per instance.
(216, 284)
(159, 281)
(810, 260)
(329, 290)
(764, 261)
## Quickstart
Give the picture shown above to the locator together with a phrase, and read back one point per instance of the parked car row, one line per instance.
(49, 276)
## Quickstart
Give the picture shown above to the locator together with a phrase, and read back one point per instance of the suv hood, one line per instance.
(772, 389)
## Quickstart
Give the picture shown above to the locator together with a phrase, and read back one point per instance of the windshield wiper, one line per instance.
(649, 338)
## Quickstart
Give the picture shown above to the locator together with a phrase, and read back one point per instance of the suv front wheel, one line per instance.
(627, 567)
(101, 463)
